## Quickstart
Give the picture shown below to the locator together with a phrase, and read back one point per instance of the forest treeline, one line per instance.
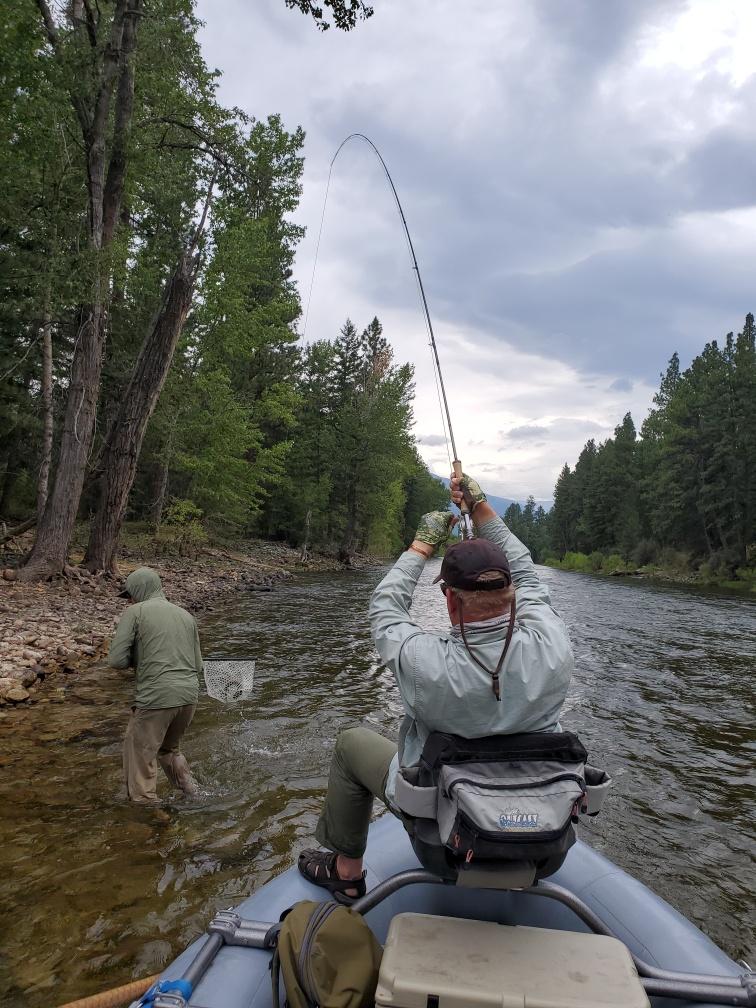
(149, 362)
(682, 495)
(150, 368)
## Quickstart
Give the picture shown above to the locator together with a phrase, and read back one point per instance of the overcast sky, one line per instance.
(579, 177)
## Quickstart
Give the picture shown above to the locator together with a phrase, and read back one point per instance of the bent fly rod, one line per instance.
(466, 523)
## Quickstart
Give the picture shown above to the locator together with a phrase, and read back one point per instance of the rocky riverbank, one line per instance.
(49, 632)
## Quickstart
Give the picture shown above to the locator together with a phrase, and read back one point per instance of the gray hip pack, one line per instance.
(497, 800)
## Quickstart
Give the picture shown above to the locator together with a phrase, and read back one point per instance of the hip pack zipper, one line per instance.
(505, 838)
(514, 787)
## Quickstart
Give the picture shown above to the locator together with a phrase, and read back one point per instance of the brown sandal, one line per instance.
(319, 867)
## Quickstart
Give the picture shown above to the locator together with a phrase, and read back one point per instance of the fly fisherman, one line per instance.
(159, 640)
(502, 668)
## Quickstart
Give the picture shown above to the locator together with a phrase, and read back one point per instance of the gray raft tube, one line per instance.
(673, 956)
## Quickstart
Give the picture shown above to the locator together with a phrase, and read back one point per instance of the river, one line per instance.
(96, 892)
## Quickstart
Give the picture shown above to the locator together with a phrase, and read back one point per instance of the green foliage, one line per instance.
(531, 525)
(345, 13)
(575, 561)
(683, 495)
(597, 560)
(223, 430)
(182, 513)
(41, 231)
(614, 564)
(353, 478)
(182, 524)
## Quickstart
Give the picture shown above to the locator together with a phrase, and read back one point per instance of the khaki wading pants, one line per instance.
(154, 734)
(359, 769)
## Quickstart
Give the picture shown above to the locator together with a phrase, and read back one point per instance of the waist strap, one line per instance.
(597, 784)
(420, 802)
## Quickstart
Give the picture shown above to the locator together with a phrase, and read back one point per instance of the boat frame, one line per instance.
(228, 928)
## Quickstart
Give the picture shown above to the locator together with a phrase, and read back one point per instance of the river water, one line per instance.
(95, 892)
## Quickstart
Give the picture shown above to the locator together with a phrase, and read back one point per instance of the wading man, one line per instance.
(160, 641)
(502, 668)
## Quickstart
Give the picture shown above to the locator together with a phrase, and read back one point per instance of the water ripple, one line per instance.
(662, 696)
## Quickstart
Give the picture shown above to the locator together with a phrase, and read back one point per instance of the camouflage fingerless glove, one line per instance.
(434, 528)
(472, 492)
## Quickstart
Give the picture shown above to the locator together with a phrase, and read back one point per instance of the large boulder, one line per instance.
(17, 694)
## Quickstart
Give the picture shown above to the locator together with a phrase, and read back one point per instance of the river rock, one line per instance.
(17, 694)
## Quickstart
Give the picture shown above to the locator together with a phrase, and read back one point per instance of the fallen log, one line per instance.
(18, 530)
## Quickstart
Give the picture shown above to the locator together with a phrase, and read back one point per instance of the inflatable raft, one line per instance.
(229, 967)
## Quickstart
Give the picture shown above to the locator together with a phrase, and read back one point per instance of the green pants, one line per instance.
(358, 774)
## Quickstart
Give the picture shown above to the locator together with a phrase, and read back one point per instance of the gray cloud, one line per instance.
(527, 432)
(572, 196)
(560, 429)
(432, 440)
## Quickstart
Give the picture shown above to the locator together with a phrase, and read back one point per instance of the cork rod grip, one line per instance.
(457, 467)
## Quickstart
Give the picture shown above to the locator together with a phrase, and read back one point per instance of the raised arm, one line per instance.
(390, 621)
(489, 525)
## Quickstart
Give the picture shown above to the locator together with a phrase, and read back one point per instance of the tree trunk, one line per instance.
(161, 492)
(54, 532)
(105, 181)
(350, 532)
(9, 481)
(47, 414)
(305, 552)
(124, 441)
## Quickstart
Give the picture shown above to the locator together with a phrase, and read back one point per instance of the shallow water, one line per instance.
(96, 892)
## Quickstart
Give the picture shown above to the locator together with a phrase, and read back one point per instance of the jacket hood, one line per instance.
(143, 584)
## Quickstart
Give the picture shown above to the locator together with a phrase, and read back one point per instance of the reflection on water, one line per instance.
(96, 892)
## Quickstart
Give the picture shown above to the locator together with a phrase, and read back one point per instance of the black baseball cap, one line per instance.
(475, 565)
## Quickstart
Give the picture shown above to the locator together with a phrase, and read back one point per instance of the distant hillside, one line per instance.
(500, 504)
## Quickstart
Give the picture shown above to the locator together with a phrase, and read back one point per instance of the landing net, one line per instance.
(229, 680)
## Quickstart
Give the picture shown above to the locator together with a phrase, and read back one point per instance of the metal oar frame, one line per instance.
(228, 928)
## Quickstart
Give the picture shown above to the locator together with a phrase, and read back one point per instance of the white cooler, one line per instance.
(446, 962)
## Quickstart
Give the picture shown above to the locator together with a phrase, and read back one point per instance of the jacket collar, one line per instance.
(490, 627)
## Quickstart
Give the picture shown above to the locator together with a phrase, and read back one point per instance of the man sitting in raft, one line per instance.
(160, 640)
(503, 668)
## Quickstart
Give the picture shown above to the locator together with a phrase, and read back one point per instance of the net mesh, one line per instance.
(229, 679)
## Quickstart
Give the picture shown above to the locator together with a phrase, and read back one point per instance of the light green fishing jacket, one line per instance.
(442, 687)
(160, 640)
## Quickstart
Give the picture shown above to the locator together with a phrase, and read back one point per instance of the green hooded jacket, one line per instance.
(160, 640)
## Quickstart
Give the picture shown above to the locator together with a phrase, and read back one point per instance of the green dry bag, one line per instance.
(328, 956)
